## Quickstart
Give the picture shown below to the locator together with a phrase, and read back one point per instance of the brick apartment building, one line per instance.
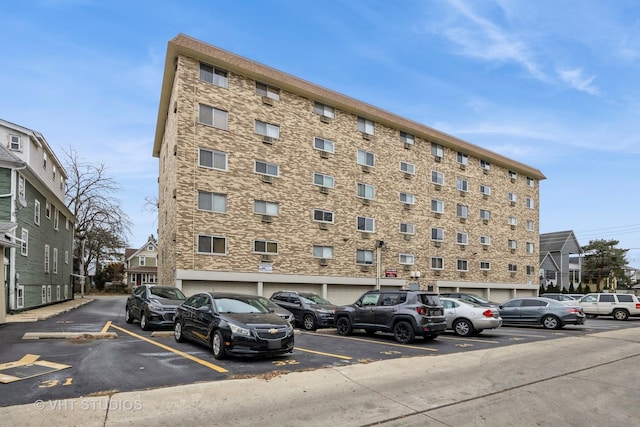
(269, 182)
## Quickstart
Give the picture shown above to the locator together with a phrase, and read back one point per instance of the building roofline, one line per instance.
(193, 48)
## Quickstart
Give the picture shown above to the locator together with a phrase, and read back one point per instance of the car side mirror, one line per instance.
(204, 309)
(358, 304)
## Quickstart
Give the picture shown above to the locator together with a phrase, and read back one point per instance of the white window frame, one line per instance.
(485, 164)
(365, 224)
(437, 177)
(437, 206)
(512, 197)
(214, 117)
(215, 200)
(407, 228)
(437, 150)
(36, 212)
(47, 258)
(324, 110)
(364, 257)
(462, 184)
(485, 240)
(485, 214)
(264, 89)
(462, 265)
(462, 211)
(24, 245)
(407, 198)
(66, 258)
(407, 167)
(215, 159)
(267, 129)
(530, 225)
(462, 158)
(531, 182)
(462, 238)
(512, 220)
(439, 232)
(530, 247)
(406, 259)
(22, 188)
(322, 213)
(363, 190)
(43, 294)
(407, 138)
(512, 244)
(366, 158)
(268, 246)
(267, 166)
(212, 239)
(323, 180)
(485, 265)
(56, 218)
(323, 144)
(15, 142)
(513, 268)
(485, 189)
(47, 209)
(55, 261)
(366, 126)
(437, 263)
(529, 204)
(322, 251)
(513, 174)
(263, 207)
(216, 76)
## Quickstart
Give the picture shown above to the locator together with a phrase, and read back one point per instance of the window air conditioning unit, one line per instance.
(365, 268)
(325, 119)
(437, 244)
(324, 190)
(366, 136)
(323, 226)
(266, 258)
(323, 261)
(366, 169)
(267, 178)
(407, 237)
(366, 202)
(407, 206)
(324, 154)
(437, 159)
(407, 145)
(267, 139)
(267, 218)
(438, 187)
(366, 235)
(267, 101)
(407, 267)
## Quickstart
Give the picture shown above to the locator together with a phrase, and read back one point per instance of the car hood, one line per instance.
(256, 319)
(329, 307)
(166, 302)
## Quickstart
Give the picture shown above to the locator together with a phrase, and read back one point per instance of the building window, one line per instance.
(213, 75)
(55, 260)
(66, 257)
(513, 244)
(365, 224)
(437, 206)
(408, 168)
(323, 180)
(36, 212)
(485, 189)
(323, 145)
(44, 160)
(408, 198)
(437, 177)
(462, 211)
(462, 238)
(531, 270)
(22, 189)
(485, 165)
(437, 234)
(462, 265)
(462, 158)
(47, 210)
(266, 208)
(43, 294)
(513, 197)
(211, 244)
(462, 184)
(364, 257)
(530, 247)
(437, 150)
(264, 89)
(529, 203)
(142, 261)
(531, 182)
(322, 252)
(265, 247)
(24, 245)
(530, 225)
(66, 223)
(485, 214)
(406, 259)
(267, 129)
(513, 175)
(212, 202)
(264, 168)
(406, 228)
(213, 117)
(513, 221)
(437, 263)
(485, 240)
(365, 191)
(366, 126)
(513, 268)
(54, 170)
(485, 265)
(320, 215)
(212, 159)
(56, 218)
(324, 110)
(407, 138)
(46, 258)
(366, 158)
(15, 142)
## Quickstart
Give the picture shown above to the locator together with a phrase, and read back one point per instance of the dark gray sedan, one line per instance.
(539, 311)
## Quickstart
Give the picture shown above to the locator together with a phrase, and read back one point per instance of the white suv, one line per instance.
(620, 306)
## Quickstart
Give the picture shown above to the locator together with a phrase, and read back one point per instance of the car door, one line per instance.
(532, 310)
(138, 301)
(388, 303)
(510, 311)
(449, 311)
(203, 318)
(364, 312)
(589, 303)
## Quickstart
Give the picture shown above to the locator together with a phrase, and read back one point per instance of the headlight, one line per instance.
(323, 311)
(289, 329)
(238, 330)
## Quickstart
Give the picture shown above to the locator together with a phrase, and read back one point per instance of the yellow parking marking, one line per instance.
(324, 354)
(441, 337)
(106, 327)
(27, 367)
(173, 350)
(375, 341)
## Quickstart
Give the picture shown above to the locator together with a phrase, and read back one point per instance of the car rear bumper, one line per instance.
(433, 328)
(488, 323)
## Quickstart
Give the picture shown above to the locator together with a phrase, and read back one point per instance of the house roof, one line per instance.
(131, 252)
(10, 159)
(559, 241)
(193, 48)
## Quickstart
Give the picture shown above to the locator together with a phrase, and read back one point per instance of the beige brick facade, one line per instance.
(180, 136)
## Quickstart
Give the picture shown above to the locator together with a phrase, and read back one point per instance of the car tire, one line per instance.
(403, 332)
(620, 314)
(463, 328)
(309, 322)
(127, 315)
(551, 322)
(217, 345)
(144, 323)
(177, 331)
(343, 326)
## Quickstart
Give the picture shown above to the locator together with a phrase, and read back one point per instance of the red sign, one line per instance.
(391, 272)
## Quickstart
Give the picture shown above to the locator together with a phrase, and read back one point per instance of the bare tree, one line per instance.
(102, 226)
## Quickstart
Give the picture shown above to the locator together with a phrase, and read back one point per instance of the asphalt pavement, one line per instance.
(590, 380)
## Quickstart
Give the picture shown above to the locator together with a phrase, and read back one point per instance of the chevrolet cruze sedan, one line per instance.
(153, 305)
(232, 324)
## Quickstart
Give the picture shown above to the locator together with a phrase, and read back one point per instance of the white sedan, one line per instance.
(466, 318)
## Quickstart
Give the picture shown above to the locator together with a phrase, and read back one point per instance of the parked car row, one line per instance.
(239, 324)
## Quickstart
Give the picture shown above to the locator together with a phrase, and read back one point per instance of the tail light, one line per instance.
(637, 306)
(487, 313)
(422, 311)
(574, 310)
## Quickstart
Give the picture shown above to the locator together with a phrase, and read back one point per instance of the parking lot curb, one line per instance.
(68, 335)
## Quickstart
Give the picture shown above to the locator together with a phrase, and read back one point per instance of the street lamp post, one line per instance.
(379, 245)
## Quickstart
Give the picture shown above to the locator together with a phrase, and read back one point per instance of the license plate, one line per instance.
(274, 344)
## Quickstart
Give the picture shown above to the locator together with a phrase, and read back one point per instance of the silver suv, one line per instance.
(404, 313)
(620, 306)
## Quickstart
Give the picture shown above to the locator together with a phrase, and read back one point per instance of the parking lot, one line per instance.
(133, 359)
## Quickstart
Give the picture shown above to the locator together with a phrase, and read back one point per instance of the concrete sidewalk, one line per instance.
(46, 312)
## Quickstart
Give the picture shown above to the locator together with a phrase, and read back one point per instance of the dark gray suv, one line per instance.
(404, 313)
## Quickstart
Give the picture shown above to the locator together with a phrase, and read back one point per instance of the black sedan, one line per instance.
(234, 324)
(153, 305)
(546, 312)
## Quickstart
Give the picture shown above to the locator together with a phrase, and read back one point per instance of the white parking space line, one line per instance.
(386, 343)
(442, 337)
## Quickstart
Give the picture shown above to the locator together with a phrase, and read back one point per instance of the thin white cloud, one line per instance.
(577, 80)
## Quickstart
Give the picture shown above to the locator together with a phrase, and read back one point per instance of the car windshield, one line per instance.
(314, 299)
(168, 293)
(239, 305)
(429, 299)
(478, 298)
(265, 302)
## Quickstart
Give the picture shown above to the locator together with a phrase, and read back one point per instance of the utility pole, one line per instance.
(379, 245)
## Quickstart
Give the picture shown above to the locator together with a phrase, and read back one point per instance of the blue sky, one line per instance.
(550, 83)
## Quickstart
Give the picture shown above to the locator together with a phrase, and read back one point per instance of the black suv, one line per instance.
(405, 313)
(310, 310)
